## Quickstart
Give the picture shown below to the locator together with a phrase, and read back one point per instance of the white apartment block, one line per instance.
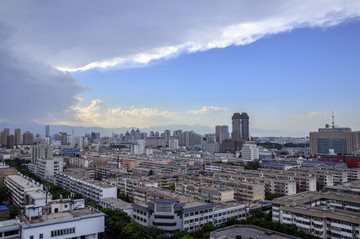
(61, 219)
(249, 152)
(44, 151)
(80, 162)
(323, 214)
(90, 189)
(173, 144)
(46, 168)
(171, 216)
(18, 186)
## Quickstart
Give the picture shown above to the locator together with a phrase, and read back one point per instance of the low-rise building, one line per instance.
(172, 216)
(247, 232)
(323, 214)
(18, 186)
(91, 189)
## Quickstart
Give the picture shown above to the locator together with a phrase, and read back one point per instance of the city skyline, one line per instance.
(113, 65)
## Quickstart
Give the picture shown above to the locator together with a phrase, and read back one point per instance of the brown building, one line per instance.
(240, 126)
(334, 140)
(4, 134)
(28, 138)
(10, 141)
(17, 137)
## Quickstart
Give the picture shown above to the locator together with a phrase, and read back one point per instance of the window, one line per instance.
(41, 236)
(31, 237)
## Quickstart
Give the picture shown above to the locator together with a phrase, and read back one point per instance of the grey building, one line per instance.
(240, 126)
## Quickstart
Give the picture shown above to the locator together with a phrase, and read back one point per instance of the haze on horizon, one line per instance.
(143, 64)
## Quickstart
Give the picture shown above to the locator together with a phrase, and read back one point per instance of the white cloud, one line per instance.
(206, 110)
(97, 113)
(82, 35)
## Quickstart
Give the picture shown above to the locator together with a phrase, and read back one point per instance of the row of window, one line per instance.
(198, 219)
(140, 218)
(165, 224)
(9, 233)
(197, 212)
(140, 212)
(164, 217)
(63, 232)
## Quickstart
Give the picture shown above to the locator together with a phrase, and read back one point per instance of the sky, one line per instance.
(113, 64)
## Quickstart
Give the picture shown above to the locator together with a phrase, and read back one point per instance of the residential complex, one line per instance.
(323, 214)
(92, 189)
(172, 216)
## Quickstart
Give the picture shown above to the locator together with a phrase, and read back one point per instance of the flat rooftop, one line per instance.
(8, 223)
(88, 181)
(61, 216)
(248, 231)
(117, 203)
(38, 194)
(227, 205)
(306, 197)
(23, 182)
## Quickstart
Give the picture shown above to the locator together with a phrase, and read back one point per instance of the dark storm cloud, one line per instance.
(31, 89)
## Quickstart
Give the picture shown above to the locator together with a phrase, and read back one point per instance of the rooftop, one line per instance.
(23, 182)
(248, 230)
(116, 203)
(8, 223)
(61, 216)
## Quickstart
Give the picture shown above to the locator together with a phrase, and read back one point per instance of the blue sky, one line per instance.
(288, 74)
(288, 64)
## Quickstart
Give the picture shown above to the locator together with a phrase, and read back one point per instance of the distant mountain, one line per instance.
(80, 130)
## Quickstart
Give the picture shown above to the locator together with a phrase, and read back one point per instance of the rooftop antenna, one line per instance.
(333, 122)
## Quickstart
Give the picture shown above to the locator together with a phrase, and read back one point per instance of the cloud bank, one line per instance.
(206, 110)
(82, 35)
(98, 114)
(31, 89)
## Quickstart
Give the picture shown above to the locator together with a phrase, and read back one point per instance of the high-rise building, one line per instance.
(173, 144)
(4, 135)
(43, 151)
(63, 137)
(240, 126)
(10, 141)
(222, 132)
(334, 140)
(167, 134)
(47, 131)
(17, 137)
(190, 138)
(28, 138)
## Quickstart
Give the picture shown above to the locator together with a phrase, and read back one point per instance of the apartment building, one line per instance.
(205, 193)
(346, 188)
(323, 214)
(91, 189)
(247, 232)
(18, 186)
(172, 216)
(80, 162)
(46, 168)
(60, 219)
(143, 194)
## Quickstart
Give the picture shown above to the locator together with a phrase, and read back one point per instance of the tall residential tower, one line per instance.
(240, 126)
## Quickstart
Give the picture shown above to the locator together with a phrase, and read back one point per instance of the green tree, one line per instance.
(124, 197)
(181, 235)
(115, 221)
(14, 211)
(133, 231)
(4, 194)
